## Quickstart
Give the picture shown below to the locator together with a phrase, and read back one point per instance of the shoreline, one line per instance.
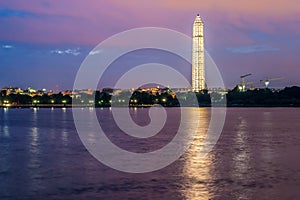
(139, 106)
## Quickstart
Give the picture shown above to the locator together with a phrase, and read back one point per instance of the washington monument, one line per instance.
(198, 71)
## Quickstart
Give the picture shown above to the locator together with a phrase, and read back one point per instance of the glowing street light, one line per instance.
(6, 103)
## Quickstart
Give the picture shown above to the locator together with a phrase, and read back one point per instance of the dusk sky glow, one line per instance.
(43, 43)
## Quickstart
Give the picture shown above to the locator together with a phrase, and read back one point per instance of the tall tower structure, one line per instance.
(198, 71)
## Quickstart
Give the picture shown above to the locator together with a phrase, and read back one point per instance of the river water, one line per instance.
(256, 157)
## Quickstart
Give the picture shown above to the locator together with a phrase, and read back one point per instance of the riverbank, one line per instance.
(138, 106)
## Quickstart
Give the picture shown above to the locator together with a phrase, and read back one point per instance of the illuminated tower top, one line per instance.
(198, 27)
(198, 19)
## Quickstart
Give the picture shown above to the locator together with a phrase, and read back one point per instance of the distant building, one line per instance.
(198, 71)
(11, 90)
(31, 90)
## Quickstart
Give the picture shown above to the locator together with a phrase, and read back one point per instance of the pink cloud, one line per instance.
(88, 22)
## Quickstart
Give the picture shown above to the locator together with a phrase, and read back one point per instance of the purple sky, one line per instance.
(42, 43)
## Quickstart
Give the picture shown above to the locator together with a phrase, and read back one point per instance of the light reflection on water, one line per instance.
(241, 157)
(6, 131)
(197, 171)
(5, 126)
(267, 151)
(34, 140)
(64, 132)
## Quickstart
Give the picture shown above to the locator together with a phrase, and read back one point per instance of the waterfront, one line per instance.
(256, 157)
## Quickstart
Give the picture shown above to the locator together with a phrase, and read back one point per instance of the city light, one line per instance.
(6, 103)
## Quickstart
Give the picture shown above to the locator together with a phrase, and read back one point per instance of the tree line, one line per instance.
(289, 96)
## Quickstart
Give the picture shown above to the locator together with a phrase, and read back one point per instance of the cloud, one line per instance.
(15, 13)
(95, 52)
(7, 46)
(74, 52)
(252, 49)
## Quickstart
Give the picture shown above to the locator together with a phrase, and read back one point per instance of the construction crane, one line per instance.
(266, 82)
(242, 86)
